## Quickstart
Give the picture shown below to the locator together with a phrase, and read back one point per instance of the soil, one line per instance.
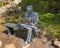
(17, 42)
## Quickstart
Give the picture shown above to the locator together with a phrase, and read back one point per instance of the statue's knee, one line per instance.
(30, 29)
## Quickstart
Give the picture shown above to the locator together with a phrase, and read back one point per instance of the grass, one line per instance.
(0, 4)
(52, 23)
(2, 28)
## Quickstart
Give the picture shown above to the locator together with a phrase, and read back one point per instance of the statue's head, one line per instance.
(29, 8)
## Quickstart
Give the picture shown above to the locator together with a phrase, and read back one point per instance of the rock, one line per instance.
(57, 43)
(44, 33)
(38, 43)
(5, 9)
(26, 46)
(44, 39)
(10, 46)
(51, 47)
(0, 43)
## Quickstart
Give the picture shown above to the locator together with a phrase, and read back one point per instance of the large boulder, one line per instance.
(57, 43)
(10, 46)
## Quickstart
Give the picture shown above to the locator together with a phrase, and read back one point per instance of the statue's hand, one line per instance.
(25, 20)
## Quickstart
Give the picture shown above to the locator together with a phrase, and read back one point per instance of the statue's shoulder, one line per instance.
(35, 13)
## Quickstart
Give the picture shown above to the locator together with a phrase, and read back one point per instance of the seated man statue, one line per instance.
(33, 19)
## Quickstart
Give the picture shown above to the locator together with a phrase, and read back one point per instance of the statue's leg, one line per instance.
(29, 33)
(29, 36)
(11, 30)
(9, 33)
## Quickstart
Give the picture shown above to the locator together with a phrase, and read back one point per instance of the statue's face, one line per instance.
(30, 10)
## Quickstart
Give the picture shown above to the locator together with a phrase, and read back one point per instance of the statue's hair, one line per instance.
(29, 7)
